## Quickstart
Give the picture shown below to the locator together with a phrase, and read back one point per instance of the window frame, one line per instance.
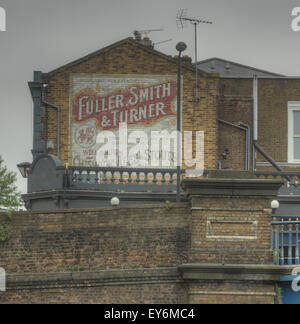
(292, 107)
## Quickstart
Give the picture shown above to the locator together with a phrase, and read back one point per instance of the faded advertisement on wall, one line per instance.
(101, 102)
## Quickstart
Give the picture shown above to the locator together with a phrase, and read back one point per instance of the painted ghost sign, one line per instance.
(101, 102)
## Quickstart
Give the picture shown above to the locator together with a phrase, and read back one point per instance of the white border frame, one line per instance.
(292, 106)
(74, 75)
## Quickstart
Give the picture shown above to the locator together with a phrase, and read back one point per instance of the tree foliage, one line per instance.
(10, 198)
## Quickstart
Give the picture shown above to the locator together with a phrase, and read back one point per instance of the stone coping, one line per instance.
(231, 187)
(231, 272)
(91, 278)
(99, 209)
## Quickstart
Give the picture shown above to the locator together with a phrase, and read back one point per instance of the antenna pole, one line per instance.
(196, 60)
(181, 20)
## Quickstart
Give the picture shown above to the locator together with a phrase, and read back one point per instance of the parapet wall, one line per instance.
(108, 255)
(99, 239)
(147, 254)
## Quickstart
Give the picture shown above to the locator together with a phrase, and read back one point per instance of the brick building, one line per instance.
(250, 120)
(71, 102)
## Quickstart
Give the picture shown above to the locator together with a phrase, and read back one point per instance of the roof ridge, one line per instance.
(132, 41)
(240, 64)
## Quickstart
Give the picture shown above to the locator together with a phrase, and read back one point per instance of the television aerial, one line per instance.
(182, 19)
(145, 32)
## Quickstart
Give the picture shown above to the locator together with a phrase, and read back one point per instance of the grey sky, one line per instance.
(44, 34)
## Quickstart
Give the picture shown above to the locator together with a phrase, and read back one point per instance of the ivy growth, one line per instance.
(4, 233)
(10, 198)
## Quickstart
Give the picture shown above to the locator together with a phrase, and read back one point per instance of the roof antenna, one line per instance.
(182, 19)
(145, 32)
(165, 41)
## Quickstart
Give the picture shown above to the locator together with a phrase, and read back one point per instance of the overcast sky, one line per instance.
(45, 34)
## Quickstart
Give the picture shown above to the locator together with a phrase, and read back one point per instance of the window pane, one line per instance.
(296, 122)
(297, 148)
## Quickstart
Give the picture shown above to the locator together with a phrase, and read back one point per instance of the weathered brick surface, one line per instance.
(273, 98)
(160, 285)
(129, 57)
(235, 110)
(209, 292)
(95, 240)
(90, 256)
(161, 293)
(230, 242)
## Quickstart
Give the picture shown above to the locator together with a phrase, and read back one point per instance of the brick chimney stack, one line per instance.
(146, 41)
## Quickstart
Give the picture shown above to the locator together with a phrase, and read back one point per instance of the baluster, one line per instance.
(138, 179)
(275, 244)
(113, 177)
(290, 248)
(130, 180)
(97, 178)
(104, 177)
(282, 244)
(143, 177)
(163, 178)
(146, 178)
(80, 176)
(154, 181)
(88, 178)
(297, 243)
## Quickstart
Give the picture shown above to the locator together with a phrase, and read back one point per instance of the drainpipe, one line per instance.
(245, 128)
(58, 111)
(38, 112)
(248, 145)
(255, 120)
